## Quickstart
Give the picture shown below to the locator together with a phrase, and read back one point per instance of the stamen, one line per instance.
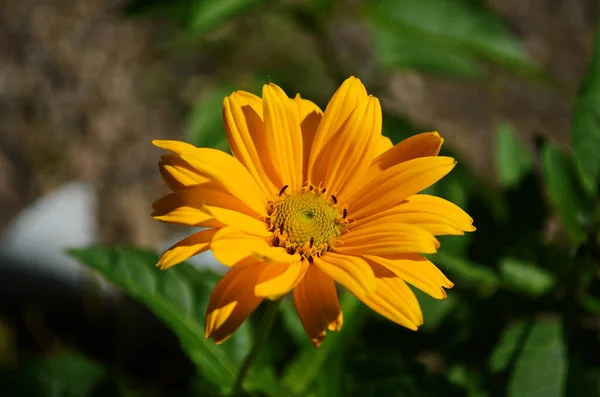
(276, 241)
(345, 213)
(323, 190)
(312, 241)
(283, 190)
(334, 199)
(311, 187)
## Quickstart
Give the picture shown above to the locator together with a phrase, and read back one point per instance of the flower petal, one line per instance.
(278, 279)
(394, 300)
(346, 157)
(242, 114)
(418, 271)
(389, 240)
(350, 271)
(421, 145)
(186, 206)
(176, 147)
(230, 245)
(229, 174)
(397, 183)
(317, 304)
(232, 300)
(237, 219)
(284, 136)
(383, 144)
(186, 248)
(178, 174)
(342, 104)
(310, 117)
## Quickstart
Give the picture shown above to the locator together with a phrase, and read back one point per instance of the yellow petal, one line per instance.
(187, 206)
(242, 114)
(418, 271)
(421, 145)
(317, 304)
(383, 144)
(178, 174)
(389, 240)
(394, 300)
(310, 117)
(350, 271)
(229, 174)
(239, 220)
(397, 183)
(279, 279)
(283, 133)
(176, 147)
(232, 301)
(186, 248)
(230, 245)
(349, 152)
(342, 104)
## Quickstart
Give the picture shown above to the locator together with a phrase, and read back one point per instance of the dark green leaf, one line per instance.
(208, 14)
(65, 375)
(585, 129)
(299, 377)
(526, 277)
(564, 193)
(511, 340)
(541, 369)
(464, 271)
(445, 34)
(513, 160)
(179, 297)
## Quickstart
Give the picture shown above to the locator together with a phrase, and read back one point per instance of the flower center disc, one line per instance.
(306, 221)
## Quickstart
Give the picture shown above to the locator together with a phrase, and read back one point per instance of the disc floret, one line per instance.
(306, 222)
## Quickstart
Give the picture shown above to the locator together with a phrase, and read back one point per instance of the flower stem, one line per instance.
(262, 336)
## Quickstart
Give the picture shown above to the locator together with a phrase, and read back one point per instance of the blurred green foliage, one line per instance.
(526, 280)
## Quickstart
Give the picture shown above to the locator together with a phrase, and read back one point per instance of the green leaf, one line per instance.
(585, 128)
(179, 297)
(564, 193)
(445, 34)
(466, 272)
(299, 377)
(204, 126)
(513, 160)
(511, 340)
(541, 369)
(526, 277)
(208, 14)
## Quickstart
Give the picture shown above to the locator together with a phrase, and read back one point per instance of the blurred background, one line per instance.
(85, 85)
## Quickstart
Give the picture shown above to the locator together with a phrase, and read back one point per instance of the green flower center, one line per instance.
(307, 222)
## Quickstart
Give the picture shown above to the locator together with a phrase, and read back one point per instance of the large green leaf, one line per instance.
(445, 35)
(466, 272)
(526, 277)
(179, 297)
(513, 160)
(564, 192)
(541, 369)
(301, 374)
(585, 129)
(506, 349)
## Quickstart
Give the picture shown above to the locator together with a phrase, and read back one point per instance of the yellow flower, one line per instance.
(309, 199)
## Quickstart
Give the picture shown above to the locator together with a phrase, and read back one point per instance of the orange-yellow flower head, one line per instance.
(308, 199)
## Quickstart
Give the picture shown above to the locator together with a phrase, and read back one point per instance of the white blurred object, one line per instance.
(40, 235)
